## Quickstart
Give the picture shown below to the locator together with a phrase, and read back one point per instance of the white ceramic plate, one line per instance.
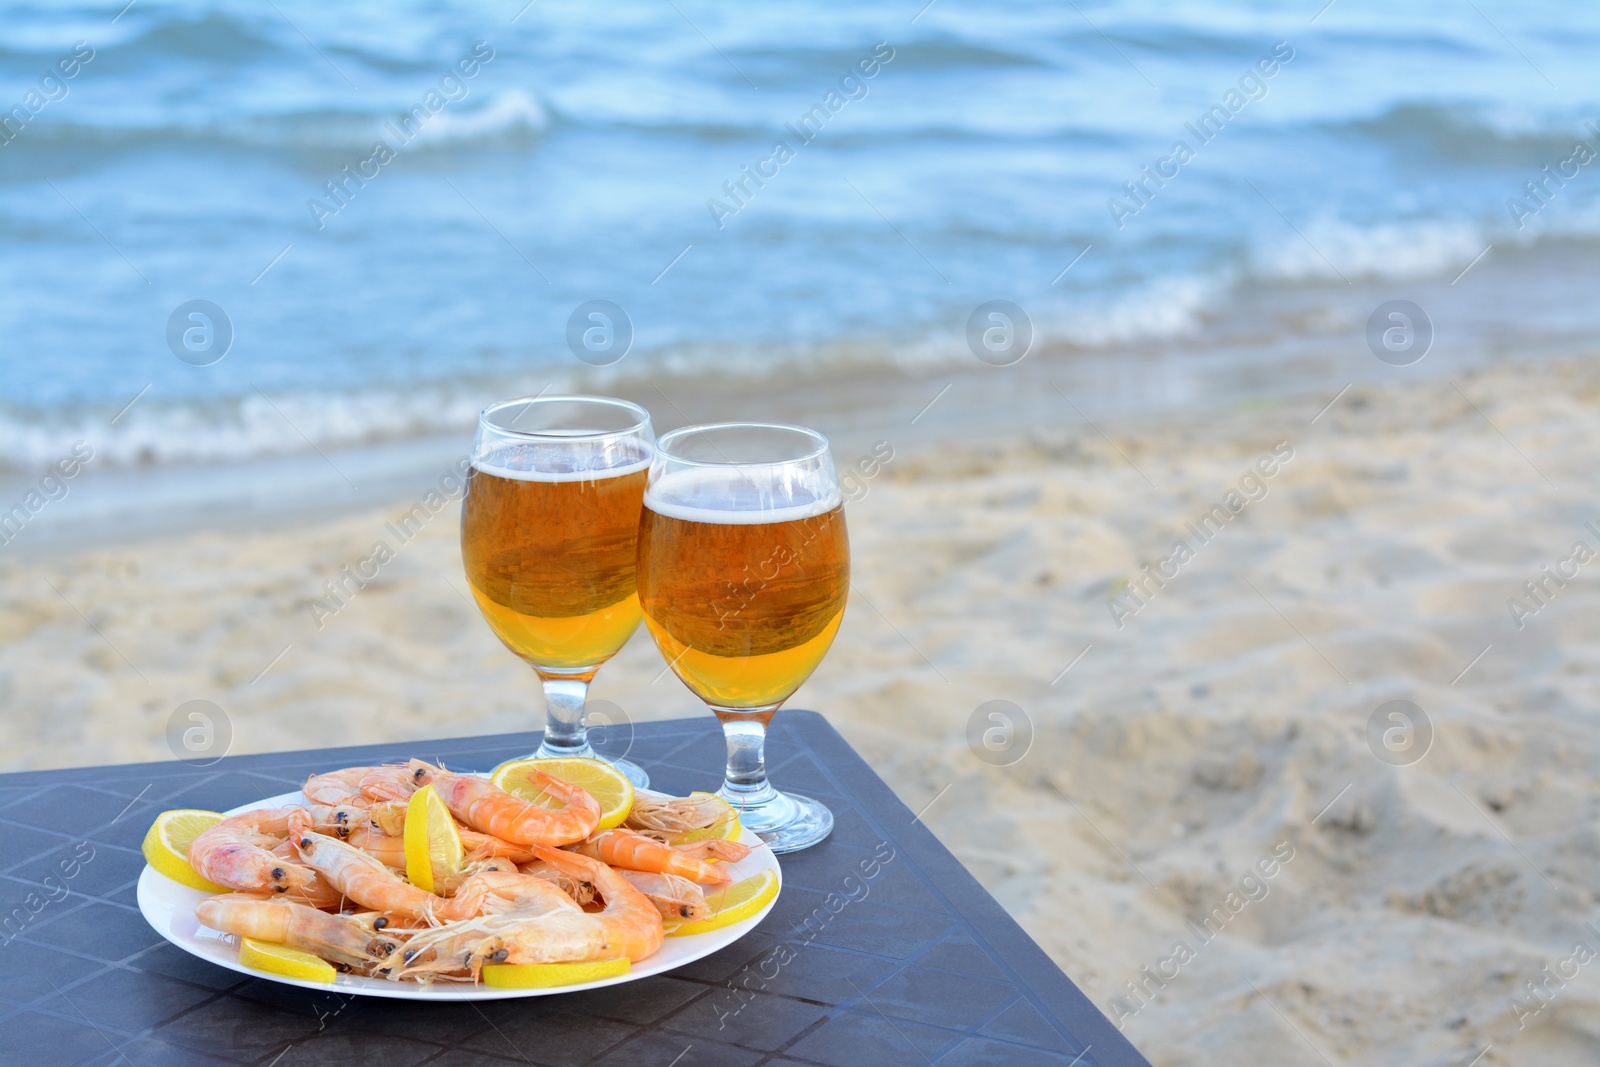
(169, 908)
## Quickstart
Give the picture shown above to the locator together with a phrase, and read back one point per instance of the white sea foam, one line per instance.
(508, 112)
(1337, 250)
(1161, 307)
(223, 430)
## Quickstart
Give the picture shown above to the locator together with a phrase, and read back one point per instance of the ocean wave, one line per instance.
(224, 430)
(221, 429)
(944, 52)
(508, 118)
(506, 114)
(1334, 250)
(1183, 312)
(150, 39)
(1468, 132)
(212, 36)
(1161, 308)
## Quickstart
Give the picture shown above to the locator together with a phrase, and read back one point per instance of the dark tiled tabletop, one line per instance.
(882, 949)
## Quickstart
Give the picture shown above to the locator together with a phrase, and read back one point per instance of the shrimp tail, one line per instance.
(638, 852)
(714, 848)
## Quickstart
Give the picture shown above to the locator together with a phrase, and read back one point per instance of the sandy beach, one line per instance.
(1201, 832)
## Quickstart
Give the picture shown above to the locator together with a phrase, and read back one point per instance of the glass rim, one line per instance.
(641, 420)
(665, 441)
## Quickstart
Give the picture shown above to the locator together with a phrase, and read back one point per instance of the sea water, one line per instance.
(399, 208)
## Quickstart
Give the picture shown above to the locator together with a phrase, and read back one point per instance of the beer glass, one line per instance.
(549, 532)
(743, 571)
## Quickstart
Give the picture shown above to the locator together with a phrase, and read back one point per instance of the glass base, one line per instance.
(787, 822)
(630, 770)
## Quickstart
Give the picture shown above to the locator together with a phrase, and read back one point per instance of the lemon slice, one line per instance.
(727, 826)
(281, 959)
(734, 904)
(432, 841)
(544, 975)
(166, 845)
(601, 780)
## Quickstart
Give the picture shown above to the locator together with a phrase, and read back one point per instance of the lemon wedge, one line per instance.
(281, 959)
(736, 903)
(432, 841)
(544, 975)
(166, 845)
(599, 779)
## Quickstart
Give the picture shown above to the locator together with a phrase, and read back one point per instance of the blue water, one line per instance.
(182, 160)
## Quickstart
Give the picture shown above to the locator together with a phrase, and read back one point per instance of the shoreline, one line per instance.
(1227, 362)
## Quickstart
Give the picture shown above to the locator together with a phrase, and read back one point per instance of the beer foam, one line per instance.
(732, 496)
(500, 464)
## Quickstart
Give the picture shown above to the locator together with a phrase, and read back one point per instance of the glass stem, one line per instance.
(745, 730)
(564, 731)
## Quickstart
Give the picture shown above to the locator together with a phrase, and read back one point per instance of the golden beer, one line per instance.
(744, 569)
(743, 604)
(550, 558)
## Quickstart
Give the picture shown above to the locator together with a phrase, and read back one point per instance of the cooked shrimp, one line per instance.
(636, 852)
(317, 892)
(389, 817)
(491, 810)
(673, 815)
(676, 898)
(488, 846)
(581, 892)
(387, 849)
(629, 925)
(501, 890)
(340, 820)
(345, 939)
(364, 879)
(237, 853)
(337, 787)
(393, 781)
(713, 848)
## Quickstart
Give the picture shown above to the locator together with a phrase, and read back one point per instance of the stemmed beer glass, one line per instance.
(743, 571)
(549, 531)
